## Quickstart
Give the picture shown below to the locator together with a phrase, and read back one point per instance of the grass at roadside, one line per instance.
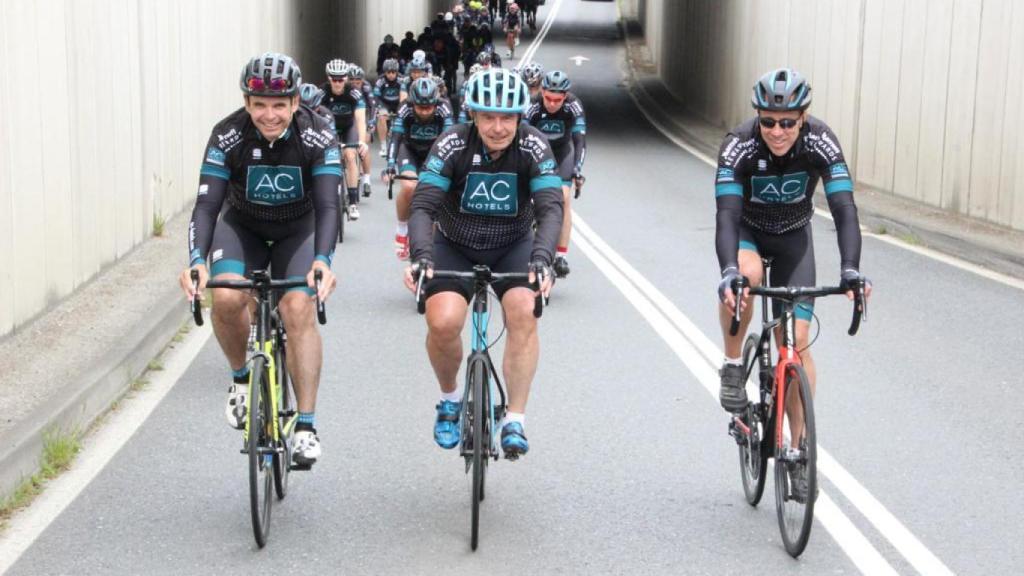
(59, 450)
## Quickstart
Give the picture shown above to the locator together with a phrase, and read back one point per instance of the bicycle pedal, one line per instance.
(300, 467)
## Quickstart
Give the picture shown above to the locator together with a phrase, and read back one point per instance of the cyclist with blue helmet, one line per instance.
(768, 168)
(420, 120)
(277, 165)
(312, 97)
(486, 185)
(558, 113)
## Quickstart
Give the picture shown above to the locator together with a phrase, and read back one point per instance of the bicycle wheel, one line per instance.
(753, 452)
(795, 509)
(477, 398)
(285, 412)
(261, 467)
(342, 213)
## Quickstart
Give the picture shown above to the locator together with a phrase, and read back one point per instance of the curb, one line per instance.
(971, 240)
(90, 397)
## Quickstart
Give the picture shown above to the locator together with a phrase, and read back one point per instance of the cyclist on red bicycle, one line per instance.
(485, 185)
(768, 168)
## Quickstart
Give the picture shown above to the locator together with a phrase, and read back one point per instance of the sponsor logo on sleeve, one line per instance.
(203, 189)
(839, 170)
(332, 155)
(546, 166)
(228, 140)
(434, 164)
(726, 175)
(215, 155)
(257, 154)
(488, 194)
(217, 254)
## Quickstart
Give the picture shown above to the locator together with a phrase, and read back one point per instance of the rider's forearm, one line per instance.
(549, 206)
(204, 217)
(844, 213)
(727, 230)
(425, 203)
(325, 206)
(579, 143)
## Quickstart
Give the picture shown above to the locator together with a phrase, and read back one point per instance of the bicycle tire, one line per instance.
(342, 213)
(261, 471)
(754, 454)
(796, 518)
(478, 380)
(285, 411)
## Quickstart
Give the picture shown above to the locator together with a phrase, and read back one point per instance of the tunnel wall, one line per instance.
(922, 93)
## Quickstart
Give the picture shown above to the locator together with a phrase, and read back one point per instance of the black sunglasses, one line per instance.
(785, 123)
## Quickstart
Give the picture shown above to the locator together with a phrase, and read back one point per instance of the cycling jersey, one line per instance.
(410, 132)
(772, 194)
(371, 103)
(483, 203)
(511, 21)
(388, 94)
(344, 106)
(274, 182)
(566, 129)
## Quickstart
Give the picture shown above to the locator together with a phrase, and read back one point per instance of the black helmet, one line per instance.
(270, 74)
(423, 92)
(556, 81)
(311, 95)
(355, 72)
(782, 90)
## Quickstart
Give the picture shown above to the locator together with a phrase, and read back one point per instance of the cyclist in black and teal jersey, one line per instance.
(278, 166)
(357, 81)
(768, 168)
(486, 185)
(388, 92)
(420, 120)
(533, 74)
(463, 108)
(311, 96)
(349, 109)
(558, 113)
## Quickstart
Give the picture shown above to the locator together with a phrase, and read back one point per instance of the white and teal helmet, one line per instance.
(782, 90)
(497, 90)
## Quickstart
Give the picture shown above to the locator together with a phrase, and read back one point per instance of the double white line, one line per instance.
(535, 44)
(701, 357)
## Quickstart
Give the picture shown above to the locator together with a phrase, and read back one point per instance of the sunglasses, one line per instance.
(338, 78)
(274, 85)
(785, 123)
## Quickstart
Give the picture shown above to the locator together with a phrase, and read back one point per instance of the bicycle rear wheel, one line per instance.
(478, 401)
(795, 508)
(753, 451)
(261, 466)
(285, 412)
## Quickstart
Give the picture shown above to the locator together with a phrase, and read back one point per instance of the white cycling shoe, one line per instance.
(307, 448)
(237, 407)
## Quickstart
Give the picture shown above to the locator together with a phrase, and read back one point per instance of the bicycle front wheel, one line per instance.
(753, 451)
(285, 413)
(478, 402)
(342, 213)
(261, 466)
(796, 471)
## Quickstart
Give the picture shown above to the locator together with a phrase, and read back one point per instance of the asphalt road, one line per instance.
(631, 470)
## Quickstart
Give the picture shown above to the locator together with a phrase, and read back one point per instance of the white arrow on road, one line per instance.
(579, 60)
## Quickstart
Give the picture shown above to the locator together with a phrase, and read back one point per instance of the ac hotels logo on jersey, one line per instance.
(273, 185)
(491, 194)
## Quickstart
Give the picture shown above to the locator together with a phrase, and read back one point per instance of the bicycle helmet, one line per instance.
(781, 90)
(391, 65)
(424, 92)
(556, 81)
(483, 58)
(389, 39)
(474, 69)
(532, 73)
(311, 95)
(270, 74)
(336, 67)
(497, 90)
(355, 72)
(419, 63)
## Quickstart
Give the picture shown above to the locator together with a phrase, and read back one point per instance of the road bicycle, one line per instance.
(481, 414)
(760, 430)
(272, 415)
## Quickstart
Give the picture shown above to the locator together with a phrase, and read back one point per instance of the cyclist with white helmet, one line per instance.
(349, 109)
(278, 167)
(558, 114)
(486, 185)
(532, 73)
(420, 120)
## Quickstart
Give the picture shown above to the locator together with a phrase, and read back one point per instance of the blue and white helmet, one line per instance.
(311, 95)
(497, 90)
(781, 90)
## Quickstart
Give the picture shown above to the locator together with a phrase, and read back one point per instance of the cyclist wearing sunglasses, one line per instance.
(558, 114)
(357, 81)
(486, 184)
(768, 168)
(388, 92)
(278, 166)
(349, 109)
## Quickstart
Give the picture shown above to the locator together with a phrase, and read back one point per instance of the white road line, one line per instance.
(98, 450)
(926, 252)
(683, 332)
(535, 44)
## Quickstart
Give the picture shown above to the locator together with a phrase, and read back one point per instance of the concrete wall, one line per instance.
(132, 89)
(922, 93)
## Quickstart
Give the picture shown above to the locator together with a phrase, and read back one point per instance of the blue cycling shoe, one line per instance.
(513, 441)
(446, 427)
